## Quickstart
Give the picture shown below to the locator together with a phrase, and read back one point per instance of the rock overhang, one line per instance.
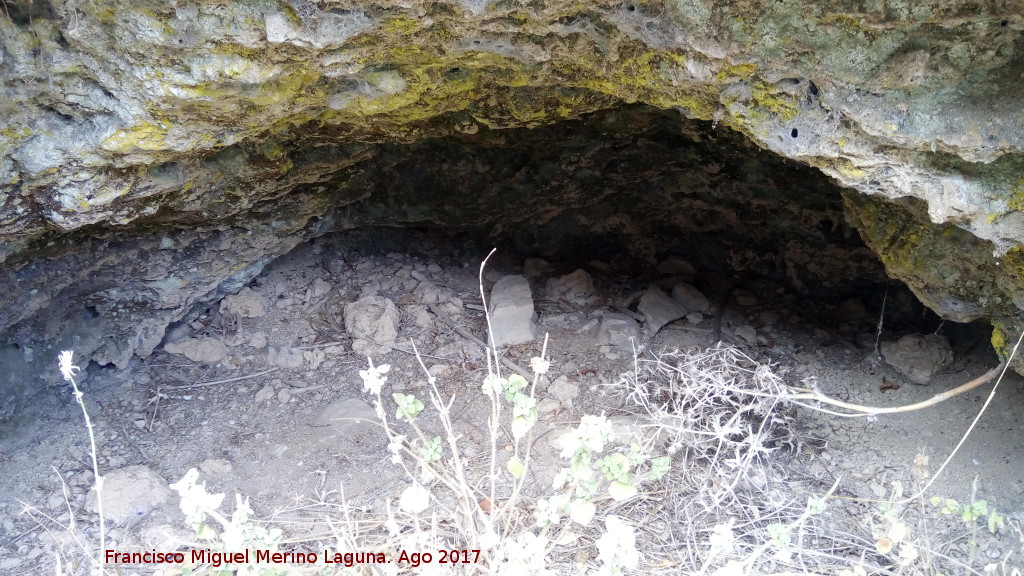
(220, 135)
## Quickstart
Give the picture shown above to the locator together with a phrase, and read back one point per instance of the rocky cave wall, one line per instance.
(155, 155)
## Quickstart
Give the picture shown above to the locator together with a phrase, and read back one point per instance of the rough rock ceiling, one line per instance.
(155, 155)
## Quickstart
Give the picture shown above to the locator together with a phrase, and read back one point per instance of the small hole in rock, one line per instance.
(631, 8)
(794, 133)
(1004, 23)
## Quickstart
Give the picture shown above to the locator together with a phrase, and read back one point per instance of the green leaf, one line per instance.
(520, 426)
(432, 451)
(660, 466)
(897, 490)
(493, 384)
(817, 505)
(513, 385)
(995, 521)
(620, 491)
(615, 466)
(779, 535)
(408, 406)
(515, 467)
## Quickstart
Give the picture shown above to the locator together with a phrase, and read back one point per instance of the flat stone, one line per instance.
(677, 266)
(285, 357)
(746, 332)
(246, 303)
(548, 406)
(428, 292)
(265, 393)
(130, 493)
(627, 430)
(690, 297)
(576, 287)
(343, 419)
(204, 350)
(347, 414)
(314, 358)
(618, 330)
(215, 467)
(438, 370)
(564, 391)
(257, 340)
(917, 356)
(513, 319)
(659, 309)
(320, 288)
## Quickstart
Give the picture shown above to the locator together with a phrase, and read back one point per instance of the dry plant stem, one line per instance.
(494, 423)
(752, 557)
(1002, 372)
(79, 397)
(226, 381)
(807, 394)
(487, 315)
(457, 485)
(881, 320)
(518, 486)
(38, 515)
(469, 336)
(444, 413)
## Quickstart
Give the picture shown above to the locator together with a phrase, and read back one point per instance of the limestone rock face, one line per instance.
(155, 156)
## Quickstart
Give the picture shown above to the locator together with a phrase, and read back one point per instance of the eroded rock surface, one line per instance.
(155, 157)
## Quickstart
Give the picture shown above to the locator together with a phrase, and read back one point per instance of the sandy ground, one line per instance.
(259, 420)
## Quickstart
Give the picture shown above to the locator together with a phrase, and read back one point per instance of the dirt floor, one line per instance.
(272, 405)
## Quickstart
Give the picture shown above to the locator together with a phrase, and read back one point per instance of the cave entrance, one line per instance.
(608, 225)
(637, 195)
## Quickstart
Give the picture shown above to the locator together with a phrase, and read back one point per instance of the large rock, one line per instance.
(372, 322)
(205, 350)
(658, 309)
(513, 319)
(690, 297)
(129, 494)
(576, 287)
(618, 330)
(918, 356)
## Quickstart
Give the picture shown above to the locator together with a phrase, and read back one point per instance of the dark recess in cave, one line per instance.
(629, 187)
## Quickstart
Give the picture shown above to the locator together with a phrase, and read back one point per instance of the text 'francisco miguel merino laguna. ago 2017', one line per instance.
(217, 559)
